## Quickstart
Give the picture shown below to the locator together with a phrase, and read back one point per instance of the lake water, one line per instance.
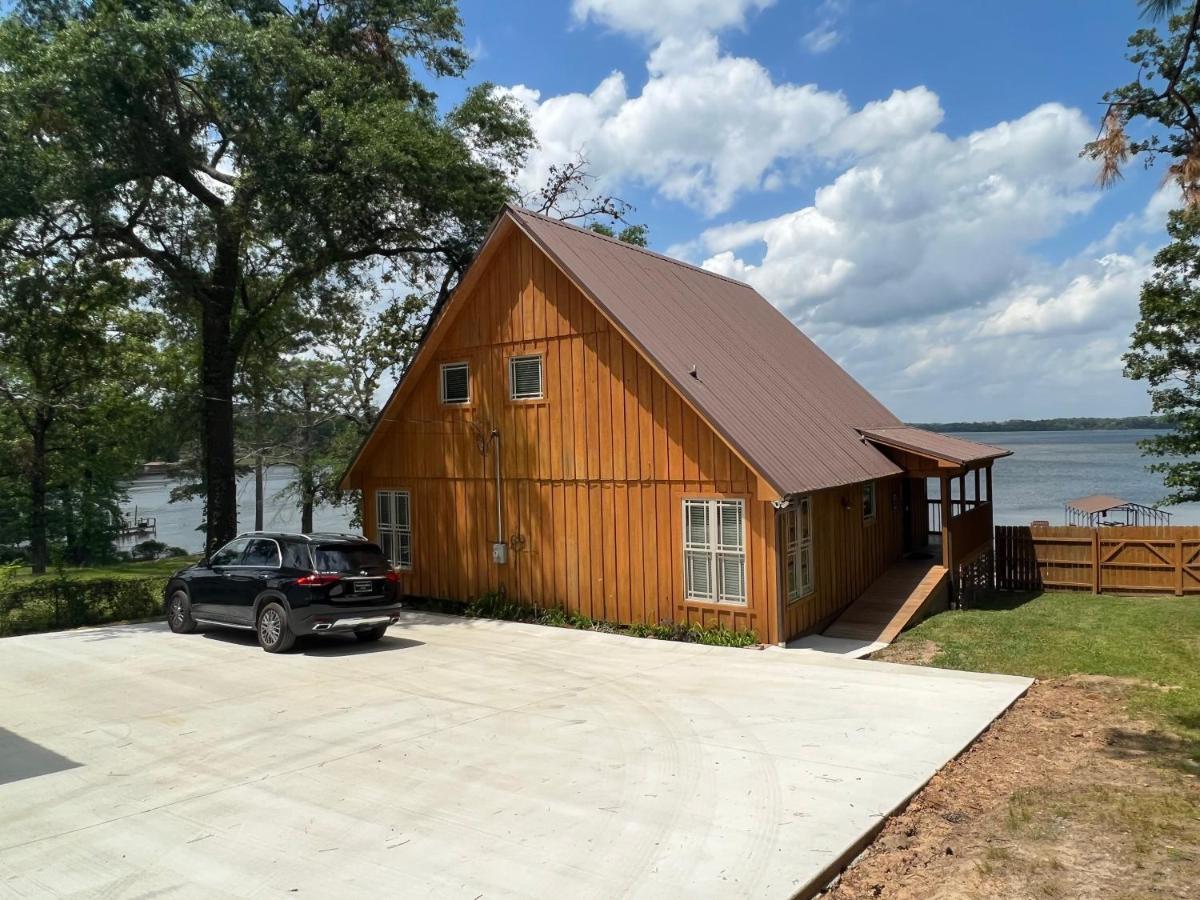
(1047, 469)
(177, 522)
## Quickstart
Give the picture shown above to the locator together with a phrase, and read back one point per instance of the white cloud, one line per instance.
(920, 263)
(827, 33)
(922, 223)
(663, 18)
(704, 128)
(1090, 301)
(707, 127)
(821, 39)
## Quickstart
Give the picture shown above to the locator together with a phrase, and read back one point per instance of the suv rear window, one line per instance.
(344, 558)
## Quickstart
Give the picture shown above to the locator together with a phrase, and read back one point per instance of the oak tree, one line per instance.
(241, 149)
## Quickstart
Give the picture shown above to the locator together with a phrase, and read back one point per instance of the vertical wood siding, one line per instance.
(848, 552)
(594, 474)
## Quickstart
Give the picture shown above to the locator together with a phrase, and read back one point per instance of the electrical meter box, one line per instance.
(500, 553)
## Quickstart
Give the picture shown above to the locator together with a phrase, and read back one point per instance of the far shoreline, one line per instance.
(1081, 423)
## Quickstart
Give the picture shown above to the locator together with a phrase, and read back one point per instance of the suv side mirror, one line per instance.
(203, 563)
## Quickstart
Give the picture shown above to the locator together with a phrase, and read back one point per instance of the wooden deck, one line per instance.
(891, 602)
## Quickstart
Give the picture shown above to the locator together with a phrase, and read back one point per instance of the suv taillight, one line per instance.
(317, 580)
(393, 576)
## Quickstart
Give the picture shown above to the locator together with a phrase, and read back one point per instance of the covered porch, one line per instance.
(947, 502)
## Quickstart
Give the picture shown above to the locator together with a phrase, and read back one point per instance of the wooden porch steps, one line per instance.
(891, 602)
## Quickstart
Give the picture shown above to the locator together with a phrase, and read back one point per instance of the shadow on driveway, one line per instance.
(316, 645)
(21, 758)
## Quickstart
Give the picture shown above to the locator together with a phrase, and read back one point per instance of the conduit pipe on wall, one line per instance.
(499, 491)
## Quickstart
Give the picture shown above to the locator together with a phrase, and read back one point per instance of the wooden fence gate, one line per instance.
(1146, 559)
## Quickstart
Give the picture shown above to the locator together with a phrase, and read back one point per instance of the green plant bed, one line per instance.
(55, 603)
(499, 606)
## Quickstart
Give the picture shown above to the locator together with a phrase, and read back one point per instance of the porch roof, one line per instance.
(941, 447)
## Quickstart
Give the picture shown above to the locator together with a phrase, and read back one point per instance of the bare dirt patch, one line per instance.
(1065, 796)
(913, 653)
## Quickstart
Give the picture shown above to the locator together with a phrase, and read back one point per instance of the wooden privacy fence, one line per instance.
(1144, 559)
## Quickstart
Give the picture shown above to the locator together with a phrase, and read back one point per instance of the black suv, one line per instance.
(284, 585)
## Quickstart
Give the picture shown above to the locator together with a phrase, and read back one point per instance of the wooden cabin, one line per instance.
(591, 425)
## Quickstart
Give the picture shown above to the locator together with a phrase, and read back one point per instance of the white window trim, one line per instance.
(395, 529)
(512, 377)
(867, 517)
(800, 549)
(442, 382)
(715, 551)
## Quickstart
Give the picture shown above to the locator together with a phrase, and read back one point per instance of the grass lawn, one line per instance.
(138, 569)
(1087, 787)
(1153, 640)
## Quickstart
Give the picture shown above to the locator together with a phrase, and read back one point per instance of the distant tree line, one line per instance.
(1077, 423)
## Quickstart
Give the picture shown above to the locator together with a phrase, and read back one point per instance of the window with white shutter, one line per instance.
(456, 383)
(714, 550)
(393, 527)
(798, 552)
(525, 377)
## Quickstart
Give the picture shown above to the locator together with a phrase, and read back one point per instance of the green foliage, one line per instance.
(51, 604)
(1151, 639)
(1160, 102)
(148, 549)
(497, 605)
(638, 235)
(74, 354)
(247, 157)
(1165, 352)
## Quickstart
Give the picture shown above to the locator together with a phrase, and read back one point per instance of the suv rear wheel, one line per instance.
(274, 635)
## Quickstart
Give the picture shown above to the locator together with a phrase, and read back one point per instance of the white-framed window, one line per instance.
(714, 550)
(456, 383)
(393, 527)
(525, 377)
(869, 500)
(797, 549)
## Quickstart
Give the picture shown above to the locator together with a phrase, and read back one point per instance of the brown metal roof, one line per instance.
(779, 400)
(1099, 503)
(931, 443)
(790, 411)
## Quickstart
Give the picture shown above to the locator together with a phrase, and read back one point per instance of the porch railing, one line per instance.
(957, 508)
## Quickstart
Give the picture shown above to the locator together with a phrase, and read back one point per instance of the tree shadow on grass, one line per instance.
(1181, 751)
(1000, 601)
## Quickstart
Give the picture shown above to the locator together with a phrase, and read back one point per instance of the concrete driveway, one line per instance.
(455, 758)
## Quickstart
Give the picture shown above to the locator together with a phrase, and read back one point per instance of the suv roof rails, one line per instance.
(314, 536)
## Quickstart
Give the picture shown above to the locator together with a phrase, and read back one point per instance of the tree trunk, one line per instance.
(258, 491)
(307, 488)
(218, 363)
(39, 550)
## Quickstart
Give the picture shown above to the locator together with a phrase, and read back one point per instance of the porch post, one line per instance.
(947, 514)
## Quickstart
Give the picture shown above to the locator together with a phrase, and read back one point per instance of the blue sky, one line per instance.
(899, 176)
